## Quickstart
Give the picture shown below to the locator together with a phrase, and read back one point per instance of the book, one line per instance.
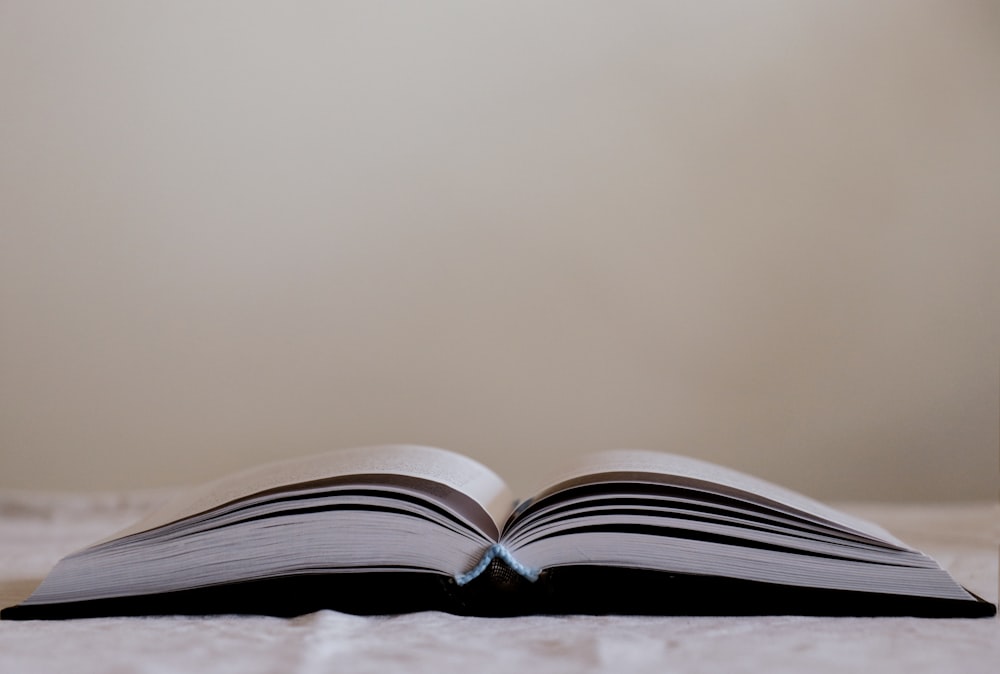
(400, 528)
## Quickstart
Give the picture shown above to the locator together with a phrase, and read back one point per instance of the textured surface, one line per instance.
(37, 529)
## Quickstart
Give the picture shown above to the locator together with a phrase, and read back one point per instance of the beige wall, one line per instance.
(239, 231)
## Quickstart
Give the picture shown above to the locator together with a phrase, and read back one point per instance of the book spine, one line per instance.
(497, 551)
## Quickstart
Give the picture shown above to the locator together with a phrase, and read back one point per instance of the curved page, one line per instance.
(456, 472)
(644, 465)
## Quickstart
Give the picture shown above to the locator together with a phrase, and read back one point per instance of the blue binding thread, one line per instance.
(494, 551)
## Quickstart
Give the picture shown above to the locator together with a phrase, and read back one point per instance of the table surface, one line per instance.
(36, 529)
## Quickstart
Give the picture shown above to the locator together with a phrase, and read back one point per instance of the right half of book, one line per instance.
(643, 532)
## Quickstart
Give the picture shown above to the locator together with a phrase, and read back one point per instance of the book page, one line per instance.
(646, 465)
(454, 471)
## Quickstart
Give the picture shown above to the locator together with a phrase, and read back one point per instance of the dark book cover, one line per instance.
(591, 590)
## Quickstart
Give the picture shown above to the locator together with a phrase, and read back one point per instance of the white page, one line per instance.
(662, 467)
(452, 470)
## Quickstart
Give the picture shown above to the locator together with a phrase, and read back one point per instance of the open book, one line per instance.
(401, 528)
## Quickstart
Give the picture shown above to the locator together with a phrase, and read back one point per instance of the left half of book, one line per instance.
(417, 515)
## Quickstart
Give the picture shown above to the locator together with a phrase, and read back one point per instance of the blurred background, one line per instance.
(765, 234)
